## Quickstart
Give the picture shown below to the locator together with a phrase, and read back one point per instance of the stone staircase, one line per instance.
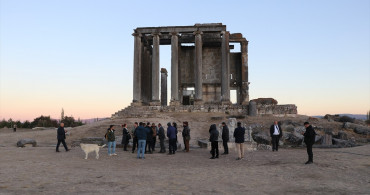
(137, 112)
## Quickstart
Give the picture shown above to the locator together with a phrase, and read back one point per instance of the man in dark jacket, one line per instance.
(309, 140)
(213, 138)
(171, 134)
(186, 135)
(161, 137)
(149, 138)
(239, 140)
(61, 136)
(275, 132)
(225, 137)
(125, 137)
(141, 133)
(134, 139)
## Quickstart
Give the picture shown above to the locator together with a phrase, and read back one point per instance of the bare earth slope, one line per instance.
(40, 170)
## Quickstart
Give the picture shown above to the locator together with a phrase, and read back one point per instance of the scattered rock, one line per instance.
(359, 129)
(293, 138)
(261, 137)
(24, 142)
(327, 140)
(343, 143)
(342, 135)
(263, 147)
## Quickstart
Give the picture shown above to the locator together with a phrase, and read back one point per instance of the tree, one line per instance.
(62, 115)
(44, 121)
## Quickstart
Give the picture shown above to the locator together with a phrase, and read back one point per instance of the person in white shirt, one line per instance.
(275, 132)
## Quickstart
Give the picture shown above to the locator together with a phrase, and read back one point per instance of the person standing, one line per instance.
(171, 134)
(186, 135)
(125, 137)
(14, 127)
(149, 138)
(176, 131)
(154, 138)
(225, 137)
(111, 141)
(213, 138)
(161, 137)
(275, 132)
(239, 140)
(309, 140)
(141, 133)
(134, 139)
(61, 136)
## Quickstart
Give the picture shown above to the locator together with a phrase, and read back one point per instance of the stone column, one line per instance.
(225, 69)
(174, 69)
(155, 70)
(163, 87)
(137, 69)
(198, 68)
(244, 91)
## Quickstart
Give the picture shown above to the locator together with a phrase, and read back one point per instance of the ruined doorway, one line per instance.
(188, 96)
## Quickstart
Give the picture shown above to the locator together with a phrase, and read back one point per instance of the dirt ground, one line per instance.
(40, 170)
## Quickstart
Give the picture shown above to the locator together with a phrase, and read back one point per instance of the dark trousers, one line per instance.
(148, 146)
(64, 144)
(172, 146)
(134, 143)
(275, 142)
(153, 143)
(309, 152)
(214, 149)
(226, 147)
(125, 143)
(163, 149)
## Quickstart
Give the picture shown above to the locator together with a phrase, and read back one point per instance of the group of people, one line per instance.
(144, 137)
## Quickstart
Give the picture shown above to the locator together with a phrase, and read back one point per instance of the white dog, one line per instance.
(87, 148)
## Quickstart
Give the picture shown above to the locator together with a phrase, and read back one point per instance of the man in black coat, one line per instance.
(149, 138)
(225, 137)
(134, 139)
(213, 138)
(125, 137)
(239, 133)
(61, 136)
(275, 132)
(161, 137)
(309, 140)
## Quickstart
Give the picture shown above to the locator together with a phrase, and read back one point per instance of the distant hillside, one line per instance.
(356, 116)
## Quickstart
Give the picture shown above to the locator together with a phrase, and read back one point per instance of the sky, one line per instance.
(78, 54)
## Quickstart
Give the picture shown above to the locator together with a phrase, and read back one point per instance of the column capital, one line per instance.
(198, 32)
(174, 33)
(136, 34)
(156, 34)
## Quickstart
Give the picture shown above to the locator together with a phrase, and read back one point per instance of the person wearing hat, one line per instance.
(309, 140)
(239, 140)
(111, 141)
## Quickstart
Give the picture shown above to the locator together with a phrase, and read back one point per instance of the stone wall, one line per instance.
(276, 109)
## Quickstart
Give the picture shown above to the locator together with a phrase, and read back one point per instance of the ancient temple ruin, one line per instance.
(203, 70)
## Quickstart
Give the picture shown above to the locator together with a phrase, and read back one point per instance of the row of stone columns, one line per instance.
(225, 69)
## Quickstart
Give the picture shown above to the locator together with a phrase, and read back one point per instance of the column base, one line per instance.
(198, 102)
(136, 103)
(175, 103)
(155, 103)
(226, 102)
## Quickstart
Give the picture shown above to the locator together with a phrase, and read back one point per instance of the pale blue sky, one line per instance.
(78, 55)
